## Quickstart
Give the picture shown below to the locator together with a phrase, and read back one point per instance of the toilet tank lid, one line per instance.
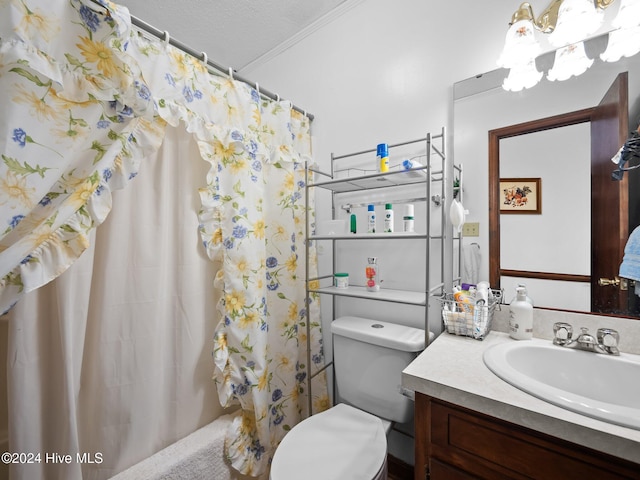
(384, 334)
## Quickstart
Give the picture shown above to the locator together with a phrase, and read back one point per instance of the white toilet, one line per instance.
(348, 441)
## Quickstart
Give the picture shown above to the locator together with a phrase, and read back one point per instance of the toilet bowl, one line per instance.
(342, 443)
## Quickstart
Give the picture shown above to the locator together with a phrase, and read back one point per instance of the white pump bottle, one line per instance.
(521, 316)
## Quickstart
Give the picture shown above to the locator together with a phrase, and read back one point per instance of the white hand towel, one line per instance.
(471, 263)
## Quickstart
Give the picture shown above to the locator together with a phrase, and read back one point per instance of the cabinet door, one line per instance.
(490, 448)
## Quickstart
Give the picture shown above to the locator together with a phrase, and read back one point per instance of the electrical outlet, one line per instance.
(471, 229)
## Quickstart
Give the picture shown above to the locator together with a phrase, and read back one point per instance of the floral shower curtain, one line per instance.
(85, 101)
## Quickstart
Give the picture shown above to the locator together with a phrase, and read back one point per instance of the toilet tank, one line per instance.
(369, 357)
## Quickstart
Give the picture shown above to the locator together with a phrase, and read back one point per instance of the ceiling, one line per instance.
(233, 33)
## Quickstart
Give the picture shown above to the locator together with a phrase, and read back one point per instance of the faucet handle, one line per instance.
(608, 338)
(562, 333)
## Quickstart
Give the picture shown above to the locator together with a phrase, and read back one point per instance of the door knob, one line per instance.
(616, 282)
(603, 282)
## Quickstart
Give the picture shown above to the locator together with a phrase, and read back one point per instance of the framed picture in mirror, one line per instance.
(521, 195)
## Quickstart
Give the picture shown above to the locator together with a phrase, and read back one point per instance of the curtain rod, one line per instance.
(162, 35)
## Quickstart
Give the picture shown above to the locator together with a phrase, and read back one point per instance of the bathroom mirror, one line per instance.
(480, 106)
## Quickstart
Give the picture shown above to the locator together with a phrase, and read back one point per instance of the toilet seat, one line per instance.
(340, 443)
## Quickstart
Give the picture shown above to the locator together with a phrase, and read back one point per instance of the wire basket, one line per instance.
(468, 319)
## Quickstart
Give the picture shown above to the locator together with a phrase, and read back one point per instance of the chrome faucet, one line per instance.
(606, 340)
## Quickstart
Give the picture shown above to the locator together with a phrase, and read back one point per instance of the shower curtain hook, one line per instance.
(167, 37)
(277, 97)
(205, 59)
(258, 88)
(231, 73)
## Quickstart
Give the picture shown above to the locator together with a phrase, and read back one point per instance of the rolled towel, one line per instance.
(630, 267)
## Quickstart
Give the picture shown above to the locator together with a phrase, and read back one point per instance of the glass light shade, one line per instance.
(622, 43)
(569, 61)
(520, 45)
(522, 76)
(577, 19)
(628, 14)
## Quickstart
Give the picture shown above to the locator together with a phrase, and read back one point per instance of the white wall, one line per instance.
(565, 180)
(383, 71)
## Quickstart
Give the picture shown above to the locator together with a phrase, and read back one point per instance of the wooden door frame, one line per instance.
(548, 123)
(609, 198)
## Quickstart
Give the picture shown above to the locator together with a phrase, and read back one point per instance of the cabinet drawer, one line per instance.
(477, 444)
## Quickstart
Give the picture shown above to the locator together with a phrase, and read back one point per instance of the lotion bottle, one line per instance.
(388, 218)
(463, 299)
(371, 219)
(407, 219)
(521, 316)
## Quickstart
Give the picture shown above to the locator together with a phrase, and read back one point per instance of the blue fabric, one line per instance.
(630, 267)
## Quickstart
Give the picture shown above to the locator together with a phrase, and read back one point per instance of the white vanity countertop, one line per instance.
(452, 369)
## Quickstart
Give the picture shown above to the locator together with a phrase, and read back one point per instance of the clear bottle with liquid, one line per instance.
(372, 273)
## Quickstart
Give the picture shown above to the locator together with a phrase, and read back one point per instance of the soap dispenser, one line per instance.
(526, 294)
(521, 316)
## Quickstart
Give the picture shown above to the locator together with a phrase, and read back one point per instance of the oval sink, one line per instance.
(600, 386)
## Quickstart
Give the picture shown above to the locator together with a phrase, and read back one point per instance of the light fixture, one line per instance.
(522, 76)
(577, 19)
(628, 14)
(570, 61)
(520, 45)
(563, 26)
(625, 41)
(622, 43)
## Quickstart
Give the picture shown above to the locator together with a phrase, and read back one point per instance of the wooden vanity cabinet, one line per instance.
(454, 443)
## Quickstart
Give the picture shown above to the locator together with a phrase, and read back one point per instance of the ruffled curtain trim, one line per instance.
(131, 87)
(59, 235)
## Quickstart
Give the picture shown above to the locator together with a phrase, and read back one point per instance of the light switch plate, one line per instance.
(471, 229)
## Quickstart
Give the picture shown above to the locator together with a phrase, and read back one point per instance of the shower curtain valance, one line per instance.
(98, 95)
(78, 119)
(85, 101)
